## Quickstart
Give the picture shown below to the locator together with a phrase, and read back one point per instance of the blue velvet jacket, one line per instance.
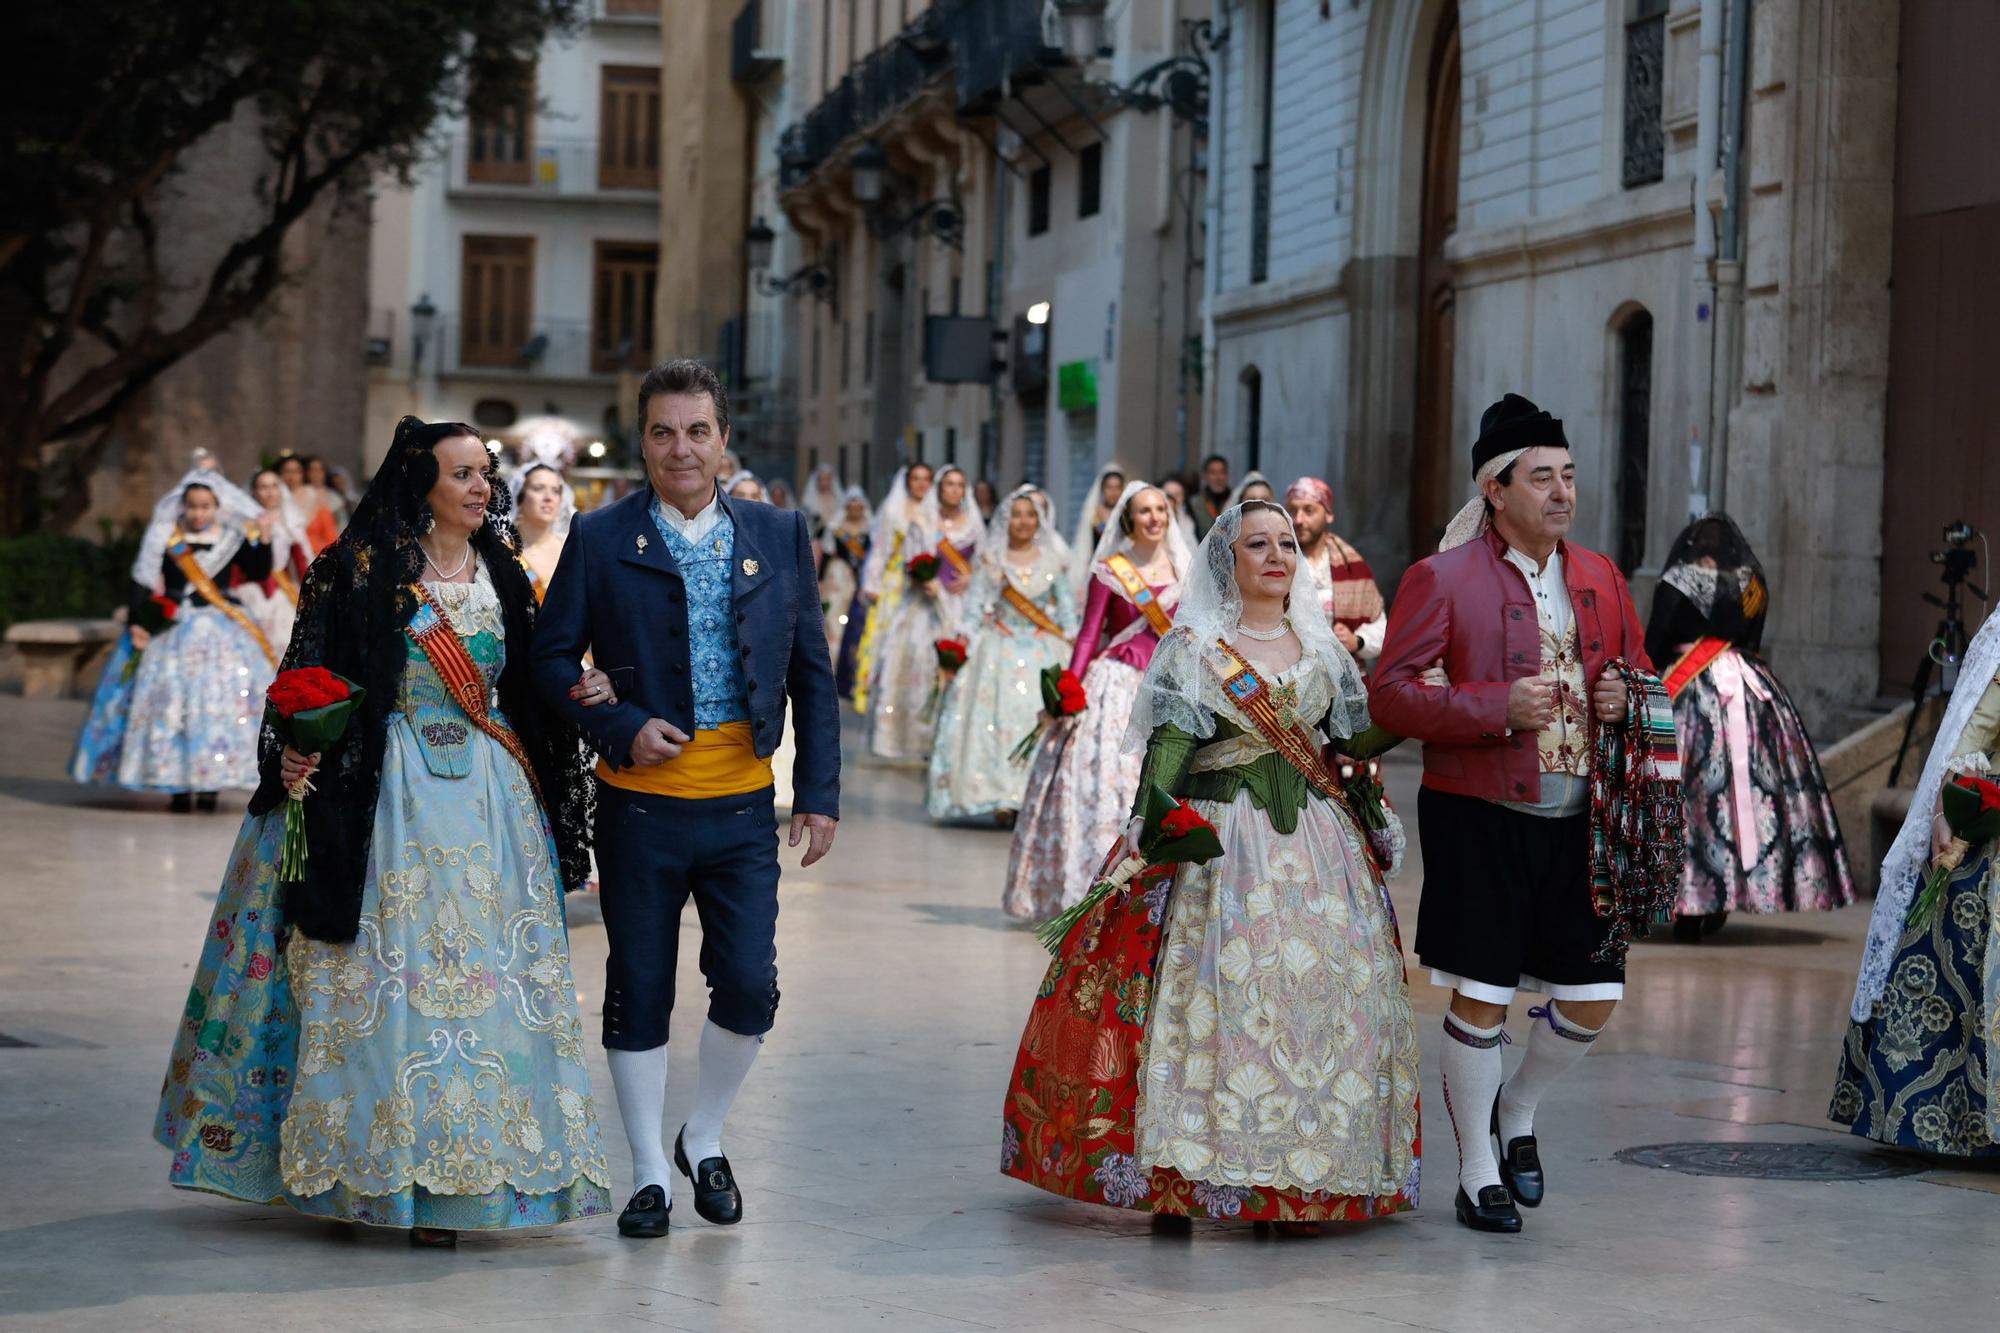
(621, 599)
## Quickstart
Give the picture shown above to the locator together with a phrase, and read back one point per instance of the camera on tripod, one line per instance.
(1947, 647)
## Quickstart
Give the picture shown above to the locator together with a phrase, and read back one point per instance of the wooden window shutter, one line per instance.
(624, 277)
(496, 288)
(628, 147)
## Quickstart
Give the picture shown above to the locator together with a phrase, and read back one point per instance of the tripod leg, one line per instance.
(1918, 689)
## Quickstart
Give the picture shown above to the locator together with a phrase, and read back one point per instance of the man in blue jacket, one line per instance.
(704, 613)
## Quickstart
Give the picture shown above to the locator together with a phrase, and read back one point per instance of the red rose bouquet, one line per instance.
(1062, 696)
(309, 708)
(1971, 806)
(950, 657)
(156, 616)
(1174, 834)
(921, 567)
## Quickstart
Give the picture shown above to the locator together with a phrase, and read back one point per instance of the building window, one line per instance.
(496, 286)
(628, 128)
(951, 444)
(1265, 91)
(501, 143)
(814, 369)
(1635, 418)
(1252, 382)
(868, 347)
(1035, 446)
(1039, 181)
(845, 378)
(1645, 60)
(1090, 180)
(843, 465)
(623, 277)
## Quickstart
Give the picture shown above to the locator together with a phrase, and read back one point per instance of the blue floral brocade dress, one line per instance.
(431, 1071)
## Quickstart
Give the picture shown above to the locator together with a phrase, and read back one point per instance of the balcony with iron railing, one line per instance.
(979, 44)
(485, 164)
(757, 41)
(510, 347)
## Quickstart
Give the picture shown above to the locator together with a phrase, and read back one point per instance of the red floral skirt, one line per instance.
(1071, 1119)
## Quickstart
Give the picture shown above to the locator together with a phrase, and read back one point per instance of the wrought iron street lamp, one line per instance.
(817, 279)
(423, 318)
(874, 181)
(1179, 83)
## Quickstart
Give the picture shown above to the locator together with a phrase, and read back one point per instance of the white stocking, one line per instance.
(1471, 1065)
(726, 1058)
(640, 1078)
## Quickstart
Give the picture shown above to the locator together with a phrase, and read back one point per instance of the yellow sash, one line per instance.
(950, 555)
(1139, 592)
(198, 579)
(1032, 610)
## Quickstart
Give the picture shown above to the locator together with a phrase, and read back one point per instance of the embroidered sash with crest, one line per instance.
(1031, 610)
(1693, 662)
(463, 680)
(1248, 691)
(1139, 592)
(198, 578)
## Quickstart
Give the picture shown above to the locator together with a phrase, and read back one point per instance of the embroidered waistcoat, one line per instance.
(714, 663)
(1565, 742)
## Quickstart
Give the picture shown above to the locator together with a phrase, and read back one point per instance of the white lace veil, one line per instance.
(990, 568)
(825, 508)
(930, 514)
(1180, 687)
(235, 509)
(519, 481)
(1084, 538)
(895, 514)
(1911, 851)
(1251, 478)
(1179, 550)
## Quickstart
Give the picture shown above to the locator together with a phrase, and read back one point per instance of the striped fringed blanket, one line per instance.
(1638, 843)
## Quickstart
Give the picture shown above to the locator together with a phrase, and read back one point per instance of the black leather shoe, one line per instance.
(181, 802)
(1520, 1165)
(648, 1216)
(1495, 1210)
(716, 1197)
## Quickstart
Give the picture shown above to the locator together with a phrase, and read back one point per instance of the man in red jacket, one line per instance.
(1522, 623)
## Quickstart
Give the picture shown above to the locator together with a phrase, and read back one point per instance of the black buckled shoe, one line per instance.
(716, 1197)
(647, 1216)
(1520, 1165)
(1495, 1210)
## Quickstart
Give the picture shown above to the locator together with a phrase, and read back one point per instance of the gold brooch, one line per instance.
(642, 543)
(750, 568)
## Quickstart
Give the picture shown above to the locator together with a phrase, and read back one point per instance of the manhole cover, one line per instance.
(1775, 1161)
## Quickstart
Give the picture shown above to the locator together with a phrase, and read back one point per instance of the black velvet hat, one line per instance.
(1514, 423)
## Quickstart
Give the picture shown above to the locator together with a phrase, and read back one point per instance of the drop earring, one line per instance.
(426, 520)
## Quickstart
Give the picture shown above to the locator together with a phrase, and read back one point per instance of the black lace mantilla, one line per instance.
(357, 601)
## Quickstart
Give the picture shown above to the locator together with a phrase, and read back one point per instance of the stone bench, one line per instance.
(55, 653)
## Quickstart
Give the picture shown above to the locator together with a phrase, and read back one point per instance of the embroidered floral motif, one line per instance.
(444, 733)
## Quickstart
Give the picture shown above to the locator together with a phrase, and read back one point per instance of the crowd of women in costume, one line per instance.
(1212, 639)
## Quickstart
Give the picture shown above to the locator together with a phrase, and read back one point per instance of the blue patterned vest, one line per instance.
(713, 660)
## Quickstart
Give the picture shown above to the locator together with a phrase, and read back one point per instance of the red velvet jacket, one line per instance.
(1471, 608)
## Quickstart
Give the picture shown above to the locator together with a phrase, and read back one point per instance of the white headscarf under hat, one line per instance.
(1085, 535)
(1472, 521)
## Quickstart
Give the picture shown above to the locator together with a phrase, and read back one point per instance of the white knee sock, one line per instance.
(640, 1078)
(1471, 1064)
(1555, 1042)
(726, 1058)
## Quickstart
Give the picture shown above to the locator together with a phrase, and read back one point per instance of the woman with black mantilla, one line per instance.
(397, 1042)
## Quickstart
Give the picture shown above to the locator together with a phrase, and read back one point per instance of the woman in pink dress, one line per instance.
(1083, 779)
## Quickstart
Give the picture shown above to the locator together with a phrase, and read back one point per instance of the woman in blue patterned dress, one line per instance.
(185, 721)
(1026, 617)
(395, 1039)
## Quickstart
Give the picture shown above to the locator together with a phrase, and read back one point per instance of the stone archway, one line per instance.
(1383, 277)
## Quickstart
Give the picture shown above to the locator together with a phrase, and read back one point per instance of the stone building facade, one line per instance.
(1667, 221)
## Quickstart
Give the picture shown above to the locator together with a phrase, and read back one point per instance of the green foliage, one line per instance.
(47, 577)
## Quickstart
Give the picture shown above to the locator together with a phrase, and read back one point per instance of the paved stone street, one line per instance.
(867, 1138)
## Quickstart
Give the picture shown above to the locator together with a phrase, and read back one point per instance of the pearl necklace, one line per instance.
(443, 574)
(1266, 635)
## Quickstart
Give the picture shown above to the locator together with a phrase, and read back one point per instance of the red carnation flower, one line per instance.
(303, 689)
(169, 608)
(1182, 820)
